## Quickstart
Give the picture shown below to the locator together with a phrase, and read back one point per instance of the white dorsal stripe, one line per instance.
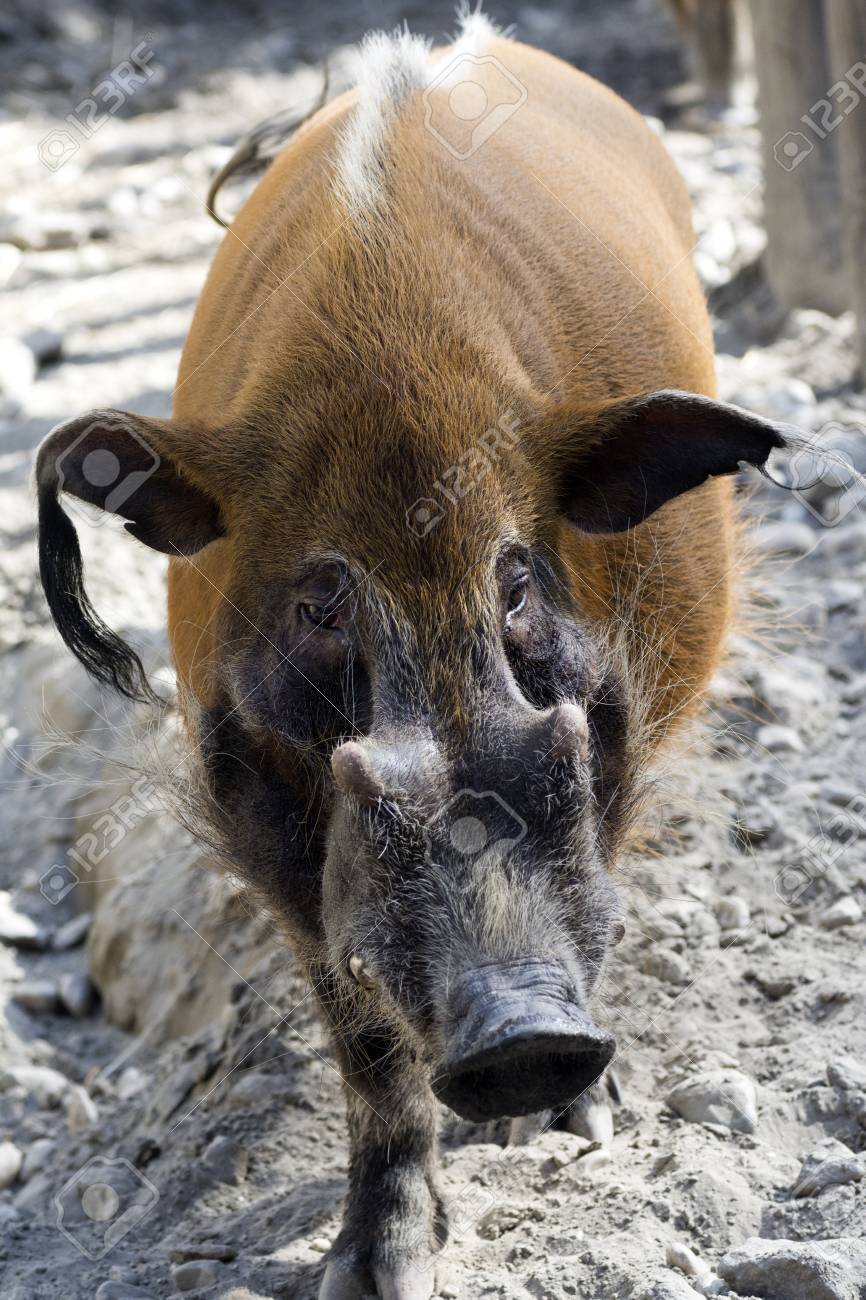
(389, 67)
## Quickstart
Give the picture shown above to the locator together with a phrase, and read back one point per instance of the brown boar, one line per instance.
(453, 540)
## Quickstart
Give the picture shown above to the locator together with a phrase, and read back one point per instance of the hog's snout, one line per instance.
(517, 1040)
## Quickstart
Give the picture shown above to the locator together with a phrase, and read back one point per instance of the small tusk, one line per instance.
(359, 970)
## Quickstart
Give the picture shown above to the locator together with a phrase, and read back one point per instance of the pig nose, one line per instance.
(517, 1040)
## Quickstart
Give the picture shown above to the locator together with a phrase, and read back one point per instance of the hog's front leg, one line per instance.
(393, 1221)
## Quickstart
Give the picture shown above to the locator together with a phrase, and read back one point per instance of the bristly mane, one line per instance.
(389, 68)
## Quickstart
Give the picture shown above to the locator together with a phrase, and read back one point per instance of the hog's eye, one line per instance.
(517, 596)
(330, 617)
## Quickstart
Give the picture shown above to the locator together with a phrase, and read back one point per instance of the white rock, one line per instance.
(732, 913)
(72, 933)
(11, 1160)
(829, 1164)
(82, 1113)
(47, 1086)
(37, 1157)
(724, 1097)
(665, 965)
(779, 740)
(682, 1257)
(834, 1269)
(37, 996)
(76, 993)
(132, 1081)
(17, 929)
(847, 1073)
(197, 1273)
(17, 367)
(845, 911)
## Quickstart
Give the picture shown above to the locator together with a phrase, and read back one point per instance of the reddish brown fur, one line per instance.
(340, 365)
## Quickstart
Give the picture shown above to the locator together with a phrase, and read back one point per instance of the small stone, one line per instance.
(845, 911)
(833, 1269)
(18, 930)
(131, 1081)
(724, 1097)
(838, 793)
(668, 1286)
(320, 1244)
(11, 1160)
(784, 538)
(196, 1273)
(46, 345)
(36, 996)
(122, 1291)
(72, 933)
(779, 740)
(847, 1073)
(829, 1165)
(682, 1257)
(77, 994)
(665, 965)
(47, 1086)
(17, 367)
(732, 913)
(36, 1157)
(204, 1250)
(82, 1113)
(227, 1160)
(775, 987)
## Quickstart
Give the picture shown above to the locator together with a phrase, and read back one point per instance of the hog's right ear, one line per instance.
(125, 465)
(633, 456)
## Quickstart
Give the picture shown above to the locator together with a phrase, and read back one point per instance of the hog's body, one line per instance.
(452, 556)
(560, 251)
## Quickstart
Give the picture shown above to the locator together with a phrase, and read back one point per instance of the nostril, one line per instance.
(360, 972)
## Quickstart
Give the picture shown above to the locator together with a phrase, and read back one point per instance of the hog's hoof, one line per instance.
(347, 1279)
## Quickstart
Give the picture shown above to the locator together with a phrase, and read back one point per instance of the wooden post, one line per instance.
(846, 31)
(802, 191)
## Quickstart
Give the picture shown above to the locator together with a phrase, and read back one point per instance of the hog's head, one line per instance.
(407, 712)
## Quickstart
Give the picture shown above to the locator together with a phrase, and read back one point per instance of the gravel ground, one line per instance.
(170, 1120)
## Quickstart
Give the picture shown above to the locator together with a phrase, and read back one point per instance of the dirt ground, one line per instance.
(170, 1117)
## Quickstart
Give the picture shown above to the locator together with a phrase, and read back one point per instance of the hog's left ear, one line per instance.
(126, 465)
(643, 452)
